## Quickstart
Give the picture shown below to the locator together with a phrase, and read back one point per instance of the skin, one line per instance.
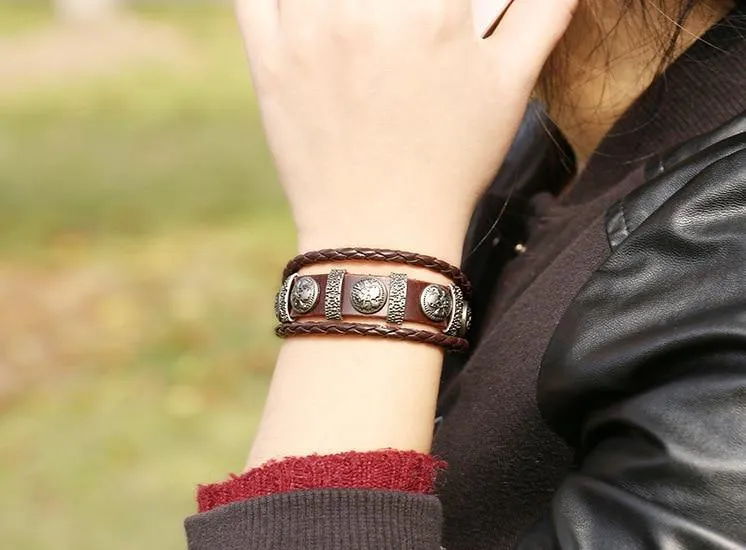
(387, 120)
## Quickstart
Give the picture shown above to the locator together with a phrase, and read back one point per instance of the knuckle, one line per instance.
(431, 11)
(271, 68)
(347, 28)
(430, 17)
(350, 22)
(304, 42)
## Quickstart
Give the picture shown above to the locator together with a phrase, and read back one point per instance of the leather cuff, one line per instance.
(396, 299)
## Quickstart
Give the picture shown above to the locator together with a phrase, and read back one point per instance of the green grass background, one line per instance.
(152, 191)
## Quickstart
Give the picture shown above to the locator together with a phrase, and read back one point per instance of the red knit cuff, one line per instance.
(389, 470)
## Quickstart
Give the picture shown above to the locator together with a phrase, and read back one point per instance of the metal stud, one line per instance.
(305, 295)
(436, 303)
(397, 299)
(333, 298)
(454, 325)
(466, 318)
(282, 301)
(368, 296)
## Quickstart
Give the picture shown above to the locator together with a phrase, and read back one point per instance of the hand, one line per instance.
(388, 118)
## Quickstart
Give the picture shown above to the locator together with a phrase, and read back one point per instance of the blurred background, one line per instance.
(141, 239)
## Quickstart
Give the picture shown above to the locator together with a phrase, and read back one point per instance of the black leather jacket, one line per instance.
(646, 373)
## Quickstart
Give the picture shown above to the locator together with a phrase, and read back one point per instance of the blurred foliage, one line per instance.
(21, 15)
(144, 149)
(141, 237)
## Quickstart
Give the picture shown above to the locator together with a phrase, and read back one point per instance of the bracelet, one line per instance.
(380, 255)
(327, 328)
(396, 299)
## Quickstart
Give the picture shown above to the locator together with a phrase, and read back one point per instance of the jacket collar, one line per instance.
(669, 174)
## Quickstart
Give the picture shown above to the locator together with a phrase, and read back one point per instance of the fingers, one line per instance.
(297, 15)
(486, 14)
(259, 20)
(528, 32)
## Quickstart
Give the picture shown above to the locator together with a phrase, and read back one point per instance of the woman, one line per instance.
(621, 317)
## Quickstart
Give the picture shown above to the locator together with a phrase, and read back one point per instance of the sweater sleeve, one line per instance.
(332, 519)
(352, 500)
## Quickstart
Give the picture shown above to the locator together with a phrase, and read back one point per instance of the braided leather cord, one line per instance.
(451, 343)
(380, 255)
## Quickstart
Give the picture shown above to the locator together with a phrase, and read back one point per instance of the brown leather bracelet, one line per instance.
(396, 299)
(412, 309)
(327, 328)
(380, 255)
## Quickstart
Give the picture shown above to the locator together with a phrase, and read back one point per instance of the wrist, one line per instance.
(444, 242)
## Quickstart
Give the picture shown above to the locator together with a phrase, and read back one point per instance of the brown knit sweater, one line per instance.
(504, 463)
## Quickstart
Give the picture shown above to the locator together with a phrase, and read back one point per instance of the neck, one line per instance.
(609, 59)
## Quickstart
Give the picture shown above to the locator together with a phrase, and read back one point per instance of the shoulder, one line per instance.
(674, 284)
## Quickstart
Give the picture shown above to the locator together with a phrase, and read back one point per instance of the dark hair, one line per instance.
(678, 11)
(679, 18)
